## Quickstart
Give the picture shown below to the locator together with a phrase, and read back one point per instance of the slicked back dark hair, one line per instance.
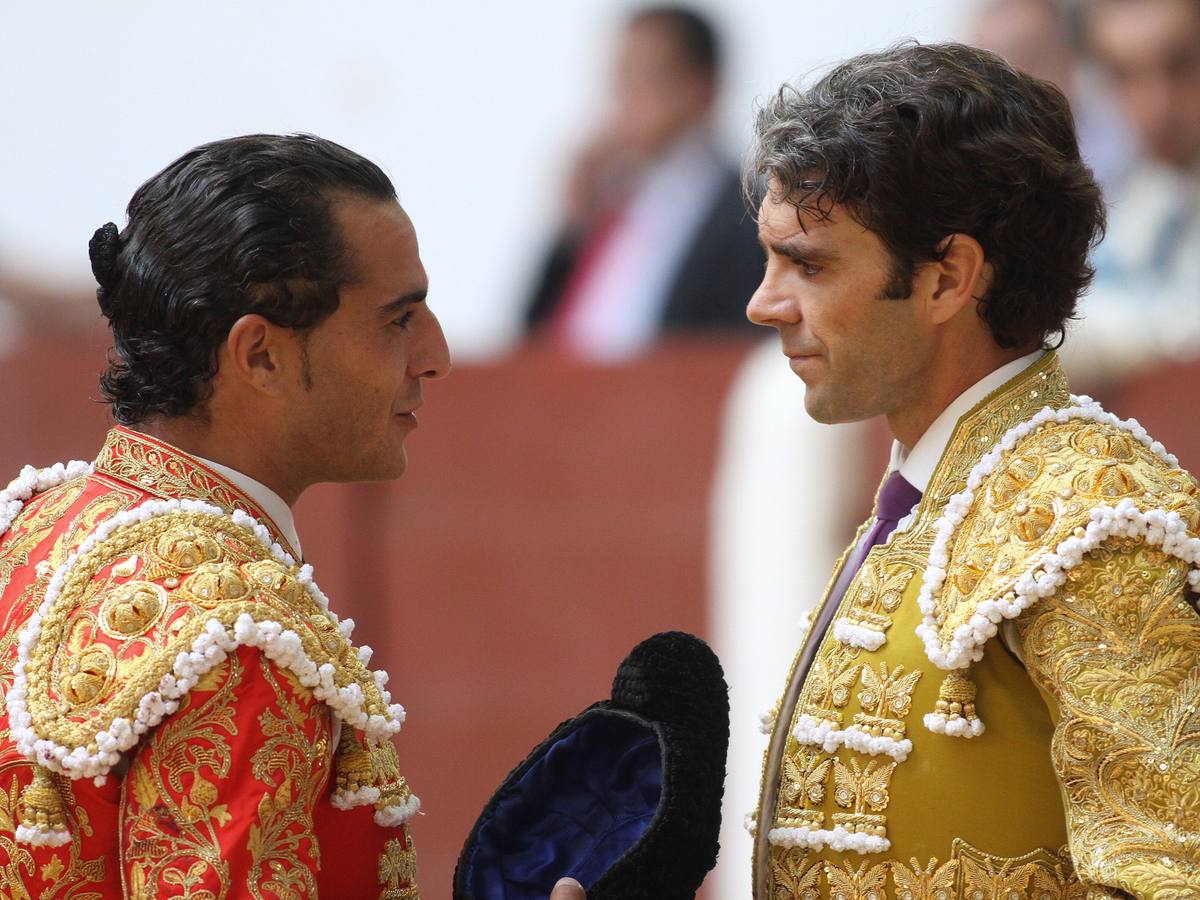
(237, 226)
(923, 141)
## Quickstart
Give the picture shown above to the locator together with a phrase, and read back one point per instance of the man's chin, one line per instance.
(385, 469)
(824, 409)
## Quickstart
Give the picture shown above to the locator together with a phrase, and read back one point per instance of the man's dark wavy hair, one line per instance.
(923, 141)
(237, 226)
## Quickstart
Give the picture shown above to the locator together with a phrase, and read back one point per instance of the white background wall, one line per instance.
(470, 106)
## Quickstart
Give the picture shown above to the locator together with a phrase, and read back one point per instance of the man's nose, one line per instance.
(771, 306)
(433, 358)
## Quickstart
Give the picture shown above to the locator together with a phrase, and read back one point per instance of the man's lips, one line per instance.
(408, 415)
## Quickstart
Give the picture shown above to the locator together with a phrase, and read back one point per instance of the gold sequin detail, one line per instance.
(1122, 662)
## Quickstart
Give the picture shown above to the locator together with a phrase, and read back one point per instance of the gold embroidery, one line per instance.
(831, 681)
(172, 836)
(1053, 884)
(39, 518)
(166, 471)
(293, 767)
(861, 789)
(1118, 651)
(1040, 875)
(970, 874)
(360, 766)
(867, 882)
(931, 883)
(794, 878)
(398, 869)
(983, 882)
(1042, 493)
(1013, 478)
(885, 699)
(803, 787)
(35, 524)
(65, 874)
(132, 609)
(58, 695)
(875, 595)
(858, 788)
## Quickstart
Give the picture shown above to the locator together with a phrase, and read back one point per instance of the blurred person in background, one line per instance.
(655, 236)
(1040, 37)
(1143, 310)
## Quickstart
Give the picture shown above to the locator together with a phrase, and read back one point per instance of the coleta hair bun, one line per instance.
(103, 249)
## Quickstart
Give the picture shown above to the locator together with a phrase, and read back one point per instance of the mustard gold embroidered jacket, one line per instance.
(180, 712)
(1007, 702)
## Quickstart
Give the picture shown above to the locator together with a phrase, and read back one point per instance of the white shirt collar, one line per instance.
(272, 504)
(917, 464)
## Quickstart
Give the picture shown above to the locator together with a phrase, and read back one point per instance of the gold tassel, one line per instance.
(43, 813)
(359, 766)
(955, 712)
(393, 789)
(354, 767)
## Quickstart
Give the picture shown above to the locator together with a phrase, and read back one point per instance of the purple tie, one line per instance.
(897, 497)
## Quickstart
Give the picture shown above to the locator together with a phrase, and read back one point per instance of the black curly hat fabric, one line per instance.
(625, 797)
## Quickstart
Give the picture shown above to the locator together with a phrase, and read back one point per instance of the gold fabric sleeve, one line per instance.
(1116, 653)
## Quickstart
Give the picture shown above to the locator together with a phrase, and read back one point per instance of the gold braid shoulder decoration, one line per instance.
(155, 598)
(1053, 490)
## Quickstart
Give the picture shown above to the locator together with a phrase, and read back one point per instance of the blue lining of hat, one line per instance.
(574, 812)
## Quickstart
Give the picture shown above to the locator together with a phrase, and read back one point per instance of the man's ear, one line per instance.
(259, 354)
(959, 279)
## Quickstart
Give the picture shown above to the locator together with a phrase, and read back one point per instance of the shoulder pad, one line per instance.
(1053, 490)
(155, 598)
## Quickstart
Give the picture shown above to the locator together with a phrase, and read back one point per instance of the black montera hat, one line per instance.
(625, 797)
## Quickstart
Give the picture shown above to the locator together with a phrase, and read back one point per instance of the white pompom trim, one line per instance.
(350, 799)
(32, 481)
(1158, 527)
(35, 837)
(389, 817)
(829, 737)
(876, 744)
(855, 635)
(750, 823)
(954, 726)
(398, 813)
(209, 649)
(838, 839)
(817, 732)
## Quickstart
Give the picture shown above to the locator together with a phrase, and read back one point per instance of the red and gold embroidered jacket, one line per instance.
(180, 713)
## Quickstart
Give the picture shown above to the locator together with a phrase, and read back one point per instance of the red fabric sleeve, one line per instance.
(218, 801)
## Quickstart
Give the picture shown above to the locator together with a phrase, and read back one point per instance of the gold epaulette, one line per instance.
(1055, 489)
(154, 599)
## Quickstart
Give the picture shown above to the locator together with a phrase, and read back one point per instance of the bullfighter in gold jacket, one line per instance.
(999, 696)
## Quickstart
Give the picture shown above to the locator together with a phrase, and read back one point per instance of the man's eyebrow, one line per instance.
(405, 300)
(811, 254)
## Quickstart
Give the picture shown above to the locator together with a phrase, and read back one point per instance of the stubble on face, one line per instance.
(856, 346)
(359, 378)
